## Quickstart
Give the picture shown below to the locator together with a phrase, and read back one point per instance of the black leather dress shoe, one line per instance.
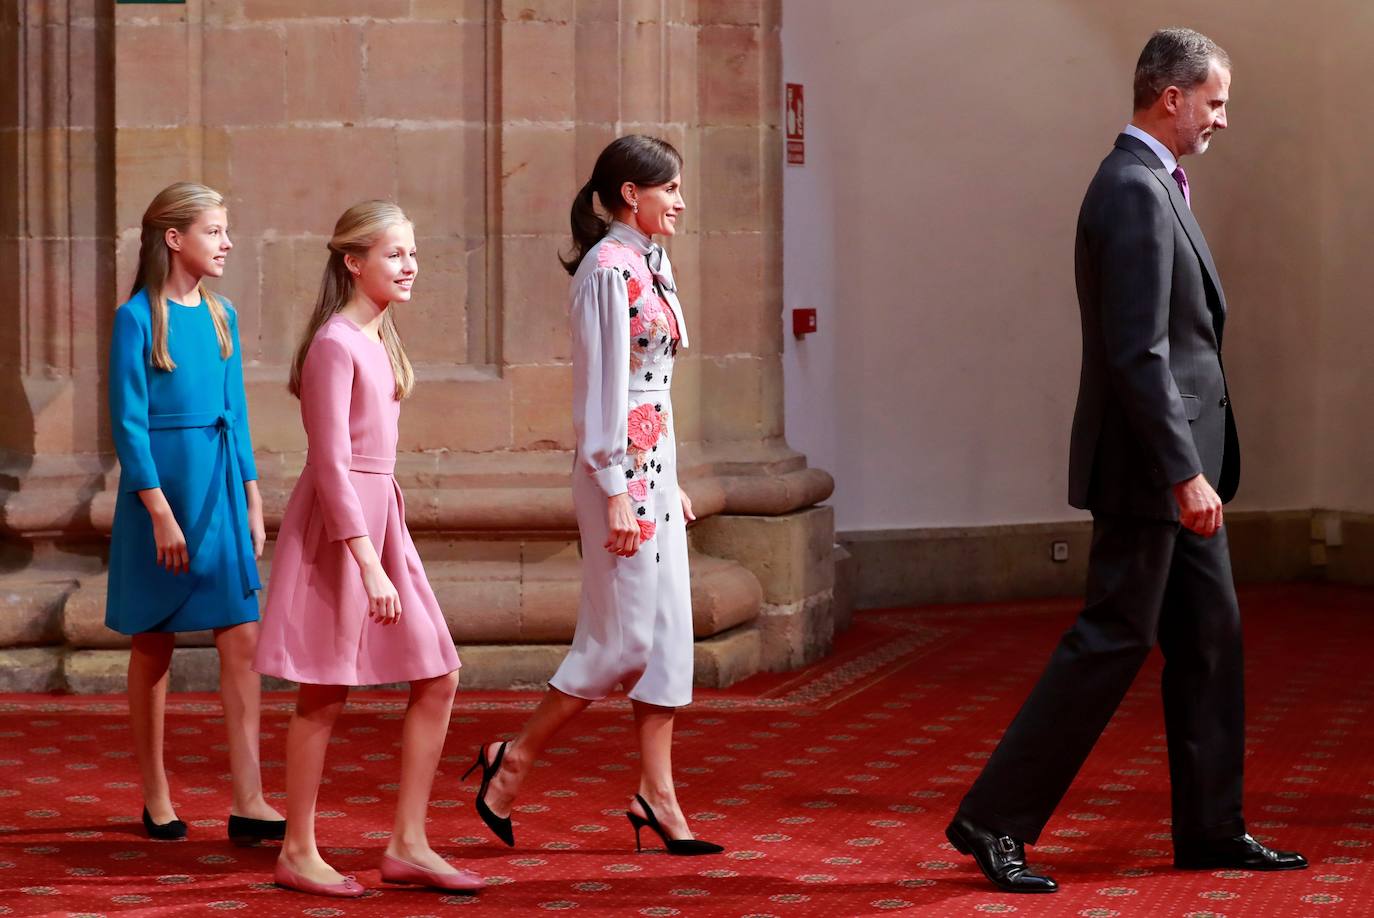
(1239, 853)
(1001, 857)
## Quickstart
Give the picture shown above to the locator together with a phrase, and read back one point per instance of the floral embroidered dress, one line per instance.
(634, 624)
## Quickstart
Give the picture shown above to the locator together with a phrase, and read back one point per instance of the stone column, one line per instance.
(56, 282)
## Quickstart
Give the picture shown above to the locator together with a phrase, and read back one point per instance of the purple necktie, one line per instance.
(1182, 178)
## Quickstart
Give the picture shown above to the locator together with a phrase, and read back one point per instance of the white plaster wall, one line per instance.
(1344, 150)
(949, 144)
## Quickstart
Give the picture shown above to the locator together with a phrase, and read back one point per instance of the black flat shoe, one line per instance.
(168, 831)
(246, 832)
(1001, 857)
(685, 847)
(499, 825)
(1240, 852)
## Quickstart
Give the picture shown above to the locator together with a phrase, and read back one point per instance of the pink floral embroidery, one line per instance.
(660, 326)
(637, 325)
(646, 530)
(672, 324)
(639, 489)
(620, 256)
(644, 426)
(651, 309)
(635, 289)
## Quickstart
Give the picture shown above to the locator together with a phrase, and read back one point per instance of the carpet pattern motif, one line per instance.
(830, 787)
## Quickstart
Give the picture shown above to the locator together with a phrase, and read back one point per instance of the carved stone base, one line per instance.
(764, 596)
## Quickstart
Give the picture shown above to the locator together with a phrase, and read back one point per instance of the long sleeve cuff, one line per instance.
(611, 480)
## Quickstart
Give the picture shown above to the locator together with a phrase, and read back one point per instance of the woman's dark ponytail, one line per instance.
(633, 158)
(587, 227)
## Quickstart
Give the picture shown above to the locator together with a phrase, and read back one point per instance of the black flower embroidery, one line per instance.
(648, 377)
(640, 511)
(643, 342)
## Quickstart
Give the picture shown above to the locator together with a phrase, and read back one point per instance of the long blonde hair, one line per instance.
(176, 207)
(357, 231)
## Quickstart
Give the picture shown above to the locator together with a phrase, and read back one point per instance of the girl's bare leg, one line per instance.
(317, 708)
(240, 692)
(422, 743)
(150, 660)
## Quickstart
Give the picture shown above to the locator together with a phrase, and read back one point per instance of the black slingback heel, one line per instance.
(499, 825)
(686, 847)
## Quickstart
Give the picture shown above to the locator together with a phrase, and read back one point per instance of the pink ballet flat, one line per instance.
(395, 870)
(348, 889)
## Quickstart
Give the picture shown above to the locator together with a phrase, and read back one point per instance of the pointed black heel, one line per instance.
(499, 825)
(167, 831)
(685, 847)
(246, 832)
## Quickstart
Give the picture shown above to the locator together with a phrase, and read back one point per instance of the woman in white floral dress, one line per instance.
(634, 624)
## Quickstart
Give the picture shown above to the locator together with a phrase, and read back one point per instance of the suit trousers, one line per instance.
(1148, 580)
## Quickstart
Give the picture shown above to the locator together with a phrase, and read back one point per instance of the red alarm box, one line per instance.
(803, 322)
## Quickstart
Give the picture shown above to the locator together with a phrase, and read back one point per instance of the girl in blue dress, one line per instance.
(188, 518)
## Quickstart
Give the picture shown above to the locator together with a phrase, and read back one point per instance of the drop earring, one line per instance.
(634, 208)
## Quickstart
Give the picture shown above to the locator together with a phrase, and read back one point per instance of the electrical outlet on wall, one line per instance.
(1059, 551)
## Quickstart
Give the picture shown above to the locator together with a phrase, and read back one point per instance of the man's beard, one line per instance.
(1199, 142)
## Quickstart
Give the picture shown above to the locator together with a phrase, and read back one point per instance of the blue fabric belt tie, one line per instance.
(227, 460)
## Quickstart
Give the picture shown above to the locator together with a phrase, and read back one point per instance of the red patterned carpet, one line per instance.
(831, 788)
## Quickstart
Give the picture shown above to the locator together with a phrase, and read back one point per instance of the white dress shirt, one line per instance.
(1168, 159)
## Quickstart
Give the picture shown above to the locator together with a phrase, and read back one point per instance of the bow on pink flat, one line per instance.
(285, 876)
(395, 870)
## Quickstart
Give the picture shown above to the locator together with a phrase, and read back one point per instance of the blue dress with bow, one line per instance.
(185, 431)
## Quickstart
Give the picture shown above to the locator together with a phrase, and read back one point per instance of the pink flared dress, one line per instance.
(315, 627)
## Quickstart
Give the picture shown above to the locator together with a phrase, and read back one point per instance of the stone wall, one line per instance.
(481, 118)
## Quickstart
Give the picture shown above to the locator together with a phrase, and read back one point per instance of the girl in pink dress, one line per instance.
(348, 602)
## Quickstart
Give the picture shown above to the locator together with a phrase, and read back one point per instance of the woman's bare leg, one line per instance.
(554, 711)
(655, 727)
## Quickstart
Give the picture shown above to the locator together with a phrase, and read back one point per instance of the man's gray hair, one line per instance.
(1175, 57)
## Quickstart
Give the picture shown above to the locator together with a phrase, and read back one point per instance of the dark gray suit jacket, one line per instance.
(1153, 407)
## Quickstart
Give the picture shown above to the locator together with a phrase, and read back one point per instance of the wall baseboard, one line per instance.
(1343, 546)
(898, 567)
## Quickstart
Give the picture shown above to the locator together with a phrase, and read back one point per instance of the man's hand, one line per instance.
(1199, 506)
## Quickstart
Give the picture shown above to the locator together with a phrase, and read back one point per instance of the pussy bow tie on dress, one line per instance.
(662, 270)
(660, 267)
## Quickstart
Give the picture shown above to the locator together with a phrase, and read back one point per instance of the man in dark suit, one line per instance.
(1153, 456)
